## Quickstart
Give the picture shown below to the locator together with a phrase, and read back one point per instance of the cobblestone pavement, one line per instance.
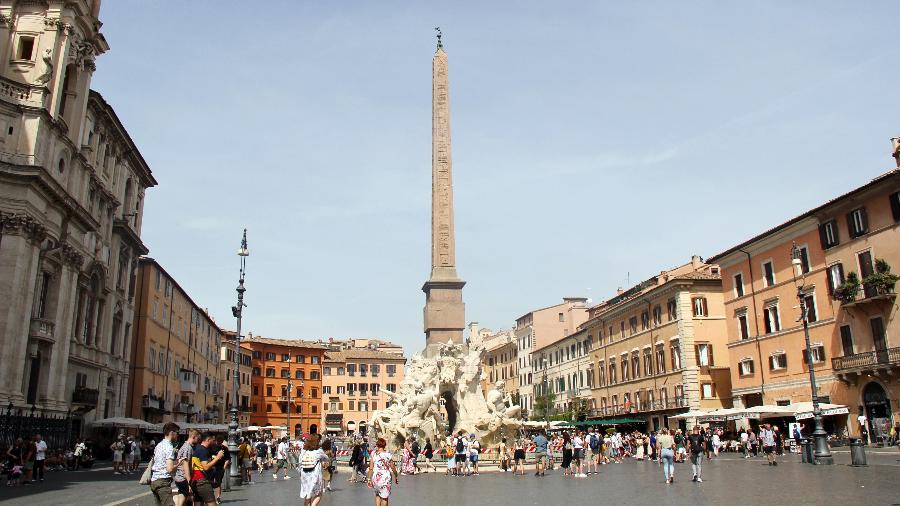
(725, 480)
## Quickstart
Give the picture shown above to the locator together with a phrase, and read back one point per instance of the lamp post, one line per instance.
(289, 408)
(822, 453)
(546, 397)
(233, 434)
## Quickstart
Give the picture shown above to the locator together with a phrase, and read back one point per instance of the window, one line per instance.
(391, 369)
(804, 259)
(363, 369)
(857, 222)
(285, 373)
(268, 390)
(270, 356)
(778, 361)
(895, 205)
(739, 285)
(268, 408)
(391, 387)
(256, 371)
(818, 354)
(257, 355)
(645, 320)
(743, 329)
(835, 277)
(707, 390)
(769, 273)
(341, 390)
(601, 372)
(562, 317)
(327, 371)
(299, 374)
(340, 371)
(746, 367)
(866, 269)
(624, 367)
(26, 48)
(314, 392)
(699, 306)
(672, 309)
(300, 359)
(612, 371)
(828, 234)
(809, 301)
(374, 369)
(255, 390)
(847, 340)
(314, 375)
(351, 369)
(152, 361)
(270, 372)
(285, 357)
(772, 320)
(648, 362)
(660, 359)
(635, 365)
(704, 355)
(632, 324)
(657, 315)
(676, 355)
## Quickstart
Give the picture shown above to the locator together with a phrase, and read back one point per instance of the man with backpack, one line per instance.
(462, 463)
(593, 440)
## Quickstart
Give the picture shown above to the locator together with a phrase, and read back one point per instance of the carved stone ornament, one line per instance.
(48, 68)
(52, 24)
(21, 224)
(71, 256)
(5, 21)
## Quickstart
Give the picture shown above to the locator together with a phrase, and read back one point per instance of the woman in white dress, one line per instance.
(381, 470)
(312, 482)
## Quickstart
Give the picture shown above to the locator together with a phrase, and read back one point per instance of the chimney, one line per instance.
(620, 291)
(895, 144)
(696, 262)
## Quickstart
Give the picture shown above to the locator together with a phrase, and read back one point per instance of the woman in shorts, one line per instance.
(519, 457)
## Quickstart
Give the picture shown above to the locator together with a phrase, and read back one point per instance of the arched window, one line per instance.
(61, 166)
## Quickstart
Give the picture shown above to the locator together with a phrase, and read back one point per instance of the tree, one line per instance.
(543, 405)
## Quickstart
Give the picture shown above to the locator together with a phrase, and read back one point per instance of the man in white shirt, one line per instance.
(281, 455)
(163, 465)
(40, 453)
(863, 426)
(474, 451)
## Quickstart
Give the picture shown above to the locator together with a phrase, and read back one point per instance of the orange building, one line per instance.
(286, 383)
(854, 331)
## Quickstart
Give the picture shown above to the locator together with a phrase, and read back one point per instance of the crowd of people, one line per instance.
(26, 461)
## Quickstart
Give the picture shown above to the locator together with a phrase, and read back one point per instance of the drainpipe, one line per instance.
(762, 378)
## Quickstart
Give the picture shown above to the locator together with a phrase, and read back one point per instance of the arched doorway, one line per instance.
(450, 407)
(313, 429)
(362, 427)
(351, 428)
(878, 411)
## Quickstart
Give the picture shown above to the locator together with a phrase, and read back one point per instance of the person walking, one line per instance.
(638, 446)
(262, 456)
(779, 441)
(281, 455)
(245, 461)
(183, 474)
(654, 455)
(767, 435)
(578, 454)
(416, 451)
(202, 464)
(665, 447)
(328, 467)
(567, 454)
(427, 455)
(79, 452)
(593, 443)
(519, 457)
(162, 465)
(540, 453)
(680, 453)
(218, 472)
(118, 449)
(450, 453)
(382, 472)
(696, 444)
(745, 443)
(716, 443)
(312, 478)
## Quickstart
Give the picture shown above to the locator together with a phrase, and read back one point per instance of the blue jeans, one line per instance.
(668, 458)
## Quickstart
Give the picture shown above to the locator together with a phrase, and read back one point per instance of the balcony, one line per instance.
(152, 403)
(643, 408)
(42, 330)
(85, 396)
(850, 367)
(189, 381)
(22, 94)
(183, 407)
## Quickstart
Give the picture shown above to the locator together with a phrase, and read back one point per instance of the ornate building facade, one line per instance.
(72, 185)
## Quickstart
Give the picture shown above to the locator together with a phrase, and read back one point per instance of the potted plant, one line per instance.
(846, 291)
(881, 281)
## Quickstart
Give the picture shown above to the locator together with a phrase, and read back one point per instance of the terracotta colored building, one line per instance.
(853, 329)
(657, 349)
(286, 383)
(227, 378)
(175, 360)
(355, 380)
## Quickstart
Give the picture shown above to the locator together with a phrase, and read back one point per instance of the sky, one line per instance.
(594, 143)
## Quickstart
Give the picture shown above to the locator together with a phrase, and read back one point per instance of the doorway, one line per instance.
(878, 411)
(450, 408)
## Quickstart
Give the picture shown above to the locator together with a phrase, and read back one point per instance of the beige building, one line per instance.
(853, 326)
(354, 384)
(564, 367)
(536, 329)
(226, 379)
(176, 366)
(657, 349)
(499, 364)
(72, 185)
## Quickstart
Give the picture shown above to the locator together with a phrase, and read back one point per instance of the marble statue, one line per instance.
(48, 68)
(450, 373)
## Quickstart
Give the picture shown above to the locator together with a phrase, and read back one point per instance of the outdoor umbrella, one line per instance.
(123, 423)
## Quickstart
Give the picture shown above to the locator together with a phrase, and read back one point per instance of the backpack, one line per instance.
(308, 461)
(415, 448)
(460, 447)
(593, 442)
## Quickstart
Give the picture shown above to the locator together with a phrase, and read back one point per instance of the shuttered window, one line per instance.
(857, 222)
(895, 205)
(828, 234)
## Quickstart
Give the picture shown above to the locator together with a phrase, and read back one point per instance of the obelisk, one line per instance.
(445, 312)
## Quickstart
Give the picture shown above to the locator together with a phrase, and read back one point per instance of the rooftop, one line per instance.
(357, 354)
(297, 343)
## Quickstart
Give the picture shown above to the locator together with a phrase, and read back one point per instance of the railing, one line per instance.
(24, 94)
(42, 329)
(678, 402)
(183, 407)
(867, 359)
(86, 396)
(151, 402)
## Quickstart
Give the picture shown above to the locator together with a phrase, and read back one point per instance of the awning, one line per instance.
(329, 428)
(718, 415)
(804, 410)
(760, 412)
(124, 423)
(689, 415)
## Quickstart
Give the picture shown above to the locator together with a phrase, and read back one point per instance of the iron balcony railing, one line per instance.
(887, 356)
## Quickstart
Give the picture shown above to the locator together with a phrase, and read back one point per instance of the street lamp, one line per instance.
(290, 406)
(233, 434)
(822, 453)
(546, 397)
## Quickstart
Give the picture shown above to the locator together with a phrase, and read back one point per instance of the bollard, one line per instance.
(811, 450)
(804, 445)
(857, 453)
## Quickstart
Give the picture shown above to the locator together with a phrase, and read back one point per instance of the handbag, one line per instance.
(148, 473)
